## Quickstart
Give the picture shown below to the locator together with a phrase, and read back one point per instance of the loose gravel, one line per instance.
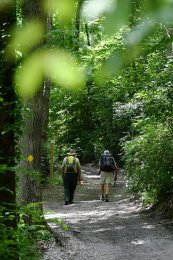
(115, 230)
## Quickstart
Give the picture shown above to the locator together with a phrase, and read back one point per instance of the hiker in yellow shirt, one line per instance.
(71, 173)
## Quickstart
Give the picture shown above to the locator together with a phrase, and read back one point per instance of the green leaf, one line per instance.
(93, 9)
(65, 227)
(118, 16)
(60, 66)
(65, 9)
(30, 76)
(58, 221)
(26, 37)
(64, 70)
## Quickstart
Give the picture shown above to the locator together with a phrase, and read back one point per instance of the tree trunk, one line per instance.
(7, 127)
(30, 141)
(8, 223)
(77, 24)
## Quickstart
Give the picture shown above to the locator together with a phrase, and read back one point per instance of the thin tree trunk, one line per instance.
(77, 24)
(45, 113)
(87, 34)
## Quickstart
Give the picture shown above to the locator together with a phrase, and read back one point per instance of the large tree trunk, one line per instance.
(33, 115)
(30, 144)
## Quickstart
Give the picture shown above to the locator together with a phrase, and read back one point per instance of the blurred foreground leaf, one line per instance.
(65, 8)
(64, 70)
(93, 9)
(57, 65)
(26, 37)
(5, 4)
(118, 16)
(29, 77)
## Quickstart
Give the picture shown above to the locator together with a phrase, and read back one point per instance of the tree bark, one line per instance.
(8, 223)
(31, 138)
(7, 110)
(77, 24)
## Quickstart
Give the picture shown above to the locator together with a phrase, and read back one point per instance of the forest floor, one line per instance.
(115, 230)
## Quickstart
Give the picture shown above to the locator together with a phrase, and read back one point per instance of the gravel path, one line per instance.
(115, 230)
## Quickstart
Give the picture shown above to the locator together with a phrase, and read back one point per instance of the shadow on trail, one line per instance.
(109, 230)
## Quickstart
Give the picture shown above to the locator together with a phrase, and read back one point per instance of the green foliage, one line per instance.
(59, 222)
(124, 67)
(148, 159)
(57, 179)
(23, 240)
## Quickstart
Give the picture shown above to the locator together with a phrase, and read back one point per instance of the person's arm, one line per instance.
(63, 168)
(99, 167)
(80, 179)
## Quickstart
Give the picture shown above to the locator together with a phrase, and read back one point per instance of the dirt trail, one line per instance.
(114, 230)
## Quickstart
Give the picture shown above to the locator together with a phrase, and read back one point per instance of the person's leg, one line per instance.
(102, 185)
(66, 189)
(102, 191)
(107, 190)
(107, 185)
(73, 185)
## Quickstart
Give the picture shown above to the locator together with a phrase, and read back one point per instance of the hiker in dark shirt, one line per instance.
(108, 168)
(71, 173)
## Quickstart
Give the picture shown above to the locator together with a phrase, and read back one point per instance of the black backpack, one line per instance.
(71, 166)
(107, 163)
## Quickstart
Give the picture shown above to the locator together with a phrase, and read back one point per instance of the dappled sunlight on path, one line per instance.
(113, 230)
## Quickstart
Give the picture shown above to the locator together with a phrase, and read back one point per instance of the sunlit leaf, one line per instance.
(59, 221)
(118, 16)
(164, 14)
(159, 10)
(57, 65)
(151, 6)
(93, 9)
(139, 32)
(26, 37)
(65, 8)
(64, 70)
(65, 227)
(30, 76)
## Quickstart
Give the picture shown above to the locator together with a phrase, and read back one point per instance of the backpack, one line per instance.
(70, 164)
(107, 163)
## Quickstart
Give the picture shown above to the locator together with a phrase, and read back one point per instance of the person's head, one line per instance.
(71, 152)
(106, 152)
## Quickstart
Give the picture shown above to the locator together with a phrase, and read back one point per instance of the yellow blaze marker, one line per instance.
(30, 158)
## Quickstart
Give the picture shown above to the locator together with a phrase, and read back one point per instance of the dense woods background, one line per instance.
(92, 75)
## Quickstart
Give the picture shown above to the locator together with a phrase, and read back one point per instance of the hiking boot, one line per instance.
(102, 197)
(106, 198)
(66, 202)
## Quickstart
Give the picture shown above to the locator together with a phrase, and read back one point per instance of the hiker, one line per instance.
(107, 168)
(71, 173)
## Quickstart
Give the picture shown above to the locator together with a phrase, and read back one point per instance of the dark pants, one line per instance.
(70, 183)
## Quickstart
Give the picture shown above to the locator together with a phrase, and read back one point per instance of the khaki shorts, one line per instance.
(106, 177)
